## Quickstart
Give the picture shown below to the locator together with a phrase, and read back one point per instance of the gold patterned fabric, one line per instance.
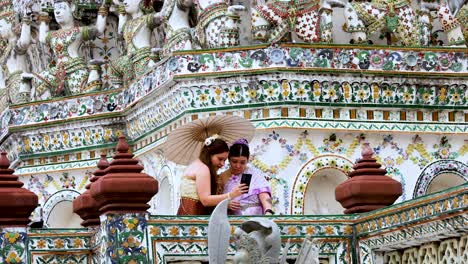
(190, 203)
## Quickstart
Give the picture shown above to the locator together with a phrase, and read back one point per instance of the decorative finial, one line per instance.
(122, 146)
(103, 163)
(367, 151)
(4, 162)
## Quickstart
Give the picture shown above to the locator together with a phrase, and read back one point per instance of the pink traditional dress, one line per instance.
(250, 203)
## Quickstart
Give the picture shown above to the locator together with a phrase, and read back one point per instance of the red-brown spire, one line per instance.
(85, 205)
(368, 188)
(124, 188)
(16, 203)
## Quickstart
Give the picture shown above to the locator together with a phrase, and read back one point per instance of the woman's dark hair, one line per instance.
(239, 150)
(216, 147)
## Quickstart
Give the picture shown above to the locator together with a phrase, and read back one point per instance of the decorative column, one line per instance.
(16, 206)
(85, 205)
(122, 195)
(368, 188)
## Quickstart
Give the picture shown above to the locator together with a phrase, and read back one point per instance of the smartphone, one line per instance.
(246, 178)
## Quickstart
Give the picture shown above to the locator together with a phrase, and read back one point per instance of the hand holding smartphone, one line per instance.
(246, 178)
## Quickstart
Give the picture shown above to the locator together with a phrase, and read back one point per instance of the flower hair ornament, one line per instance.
(242, 141)
(211, 139)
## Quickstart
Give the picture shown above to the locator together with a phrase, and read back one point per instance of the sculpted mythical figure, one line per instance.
(311, 20)
(13, 57)
(454, 19)
(218, 23)
(309, 252)
(176, 23)
(257, 241)
(70, 74)
(136, 22)
(391, 16)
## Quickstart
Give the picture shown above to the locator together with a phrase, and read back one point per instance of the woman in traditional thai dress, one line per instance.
(257, 201)
(199, 183)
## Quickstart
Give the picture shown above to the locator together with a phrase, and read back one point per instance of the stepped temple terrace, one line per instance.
(233, 131)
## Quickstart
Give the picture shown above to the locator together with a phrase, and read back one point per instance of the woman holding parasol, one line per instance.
(203, 146)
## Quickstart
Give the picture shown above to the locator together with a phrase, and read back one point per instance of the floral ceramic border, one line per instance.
(66, 109)
(56, 167)
(418, 234)
(296, 91)
(287, 58)
(60, 245)
(339, 90)
(313, 57)
(450, 201)
(75, 258)
(307, 172)
(13, 245)
(59, 242)
(124, 238)
(186, 250)
(145, 124)
(184, 239)
(71, 139)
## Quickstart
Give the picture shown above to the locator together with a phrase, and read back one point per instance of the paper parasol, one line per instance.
(184, 144)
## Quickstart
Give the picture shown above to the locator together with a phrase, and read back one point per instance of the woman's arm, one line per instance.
(203, 183)
(265, 200)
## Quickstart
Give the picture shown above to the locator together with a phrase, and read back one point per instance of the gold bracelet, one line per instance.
(103, 11)
(121, 9)
(43, 18)
(229, 195)
(26, 21)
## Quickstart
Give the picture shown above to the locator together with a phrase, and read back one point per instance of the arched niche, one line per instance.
(444, 181)
(165, 199)
(163, 203)
(327, 171)
(319, 197)
(440, 175)
(58, 210)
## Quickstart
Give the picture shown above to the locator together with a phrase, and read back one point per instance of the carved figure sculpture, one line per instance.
(218, 23)
(70, 74)
(136, 22)
(309, 252)
(175, 18)
(424, 20)
(454, 19)
(311, 20)
(392, 16)
(13, 58)
(257, 241)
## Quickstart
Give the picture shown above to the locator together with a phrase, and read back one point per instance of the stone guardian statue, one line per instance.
(257, 241)
(13, 58)
(176, 17)
(136, 23)
(70, 74)
(454, 19)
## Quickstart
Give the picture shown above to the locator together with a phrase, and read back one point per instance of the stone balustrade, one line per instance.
(453, 250)
(423, 229)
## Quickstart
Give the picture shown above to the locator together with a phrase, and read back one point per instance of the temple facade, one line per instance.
(317, 79)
